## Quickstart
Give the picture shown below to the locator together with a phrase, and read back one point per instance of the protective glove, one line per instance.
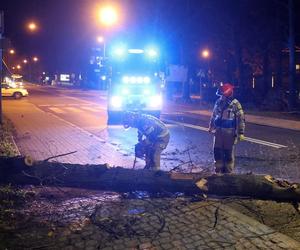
(241, 137)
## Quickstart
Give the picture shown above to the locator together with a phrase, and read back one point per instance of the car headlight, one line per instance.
(116, 101)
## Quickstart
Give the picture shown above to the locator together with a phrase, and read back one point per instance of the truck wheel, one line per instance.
(17, 95)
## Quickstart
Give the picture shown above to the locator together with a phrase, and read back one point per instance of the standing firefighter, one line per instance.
(228, 125)
(153, 137)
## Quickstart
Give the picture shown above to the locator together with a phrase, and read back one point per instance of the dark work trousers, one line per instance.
(153, 152)
(224, 141)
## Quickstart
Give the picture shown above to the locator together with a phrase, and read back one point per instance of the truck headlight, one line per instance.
(125, 79)
(146, 91)
(155, 101)
(133, 79)
(139, 79)
(116, 101)
(125, 91)
(146, 79)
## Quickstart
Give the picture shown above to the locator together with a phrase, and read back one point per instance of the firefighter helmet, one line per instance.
(129, 119)
(225, 90)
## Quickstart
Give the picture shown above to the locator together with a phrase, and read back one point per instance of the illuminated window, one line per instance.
(297, 66)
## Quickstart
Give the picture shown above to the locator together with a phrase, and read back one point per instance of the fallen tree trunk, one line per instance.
(15, 171)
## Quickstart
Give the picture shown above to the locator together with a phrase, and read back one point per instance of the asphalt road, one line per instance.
(269, 150)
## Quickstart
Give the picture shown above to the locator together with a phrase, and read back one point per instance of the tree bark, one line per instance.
(16, 172)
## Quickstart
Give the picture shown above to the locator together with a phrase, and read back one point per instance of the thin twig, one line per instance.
(216, 216)
(47, 159)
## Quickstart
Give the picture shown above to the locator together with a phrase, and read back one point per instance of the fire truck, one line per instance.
(134, 83)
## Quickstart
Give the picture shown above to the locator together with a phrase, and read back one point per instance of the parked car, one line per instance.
(15, 81)
(16, 92)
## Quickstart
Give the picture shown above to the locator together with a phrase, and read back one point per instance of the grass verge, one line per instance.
(7, 145)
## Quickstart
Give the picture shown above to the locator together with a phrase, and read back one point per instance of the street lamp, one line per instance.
(205, 53)
(35, 59)
(19, 66)
(25, 61)
(12, 51)
(32, 26)
(108, 15)
(101, 40)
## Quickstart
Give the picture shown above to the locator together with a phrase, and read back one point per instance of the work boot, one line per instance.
(147, 167)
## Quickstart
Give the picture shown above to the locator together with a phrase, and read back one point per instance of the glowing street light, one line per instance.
(205, 53)
(108, 16)
(35, 59)
(25, 61)
(32, 26)
(12, 51)
(19, 66)
(100, 39)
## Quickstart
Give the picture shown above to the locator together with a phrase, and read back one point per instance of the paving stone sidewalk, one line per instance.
(106, 220)
(42, 135)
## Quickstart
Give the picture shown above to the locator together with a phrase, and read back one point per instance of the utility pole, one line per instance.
(292, 65)
(1, 63)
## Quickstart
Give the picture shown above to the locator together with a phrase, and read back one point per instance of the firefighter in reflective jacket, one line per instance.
(227, 123)
(153, 137)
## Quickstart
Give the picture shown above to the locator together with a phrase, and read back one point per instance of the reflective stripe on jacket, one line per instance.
(228, 114)
(152, 128)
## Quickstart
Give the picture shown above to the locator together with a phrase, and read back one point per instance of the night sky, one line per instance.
(68, 28)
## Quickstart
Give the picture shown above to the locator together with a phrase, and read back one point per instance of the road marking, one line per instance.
(249, 139)
(76, 110)
(83, 101)
(186, 125)
(91, 109)
(44, 105)
(266, 143)
(57, 110)
(173, 113)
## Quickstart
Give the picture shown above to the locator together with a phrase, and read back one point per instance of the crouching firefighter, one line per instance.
(153, 137)
(227, 123)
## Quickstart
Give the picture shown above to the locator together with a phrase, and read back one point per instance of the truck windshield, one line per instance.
(134, 64)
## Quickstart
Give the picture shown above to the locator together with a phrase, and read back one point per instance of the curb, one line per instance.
(293, 244)
(18, 153)
(254, 119)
